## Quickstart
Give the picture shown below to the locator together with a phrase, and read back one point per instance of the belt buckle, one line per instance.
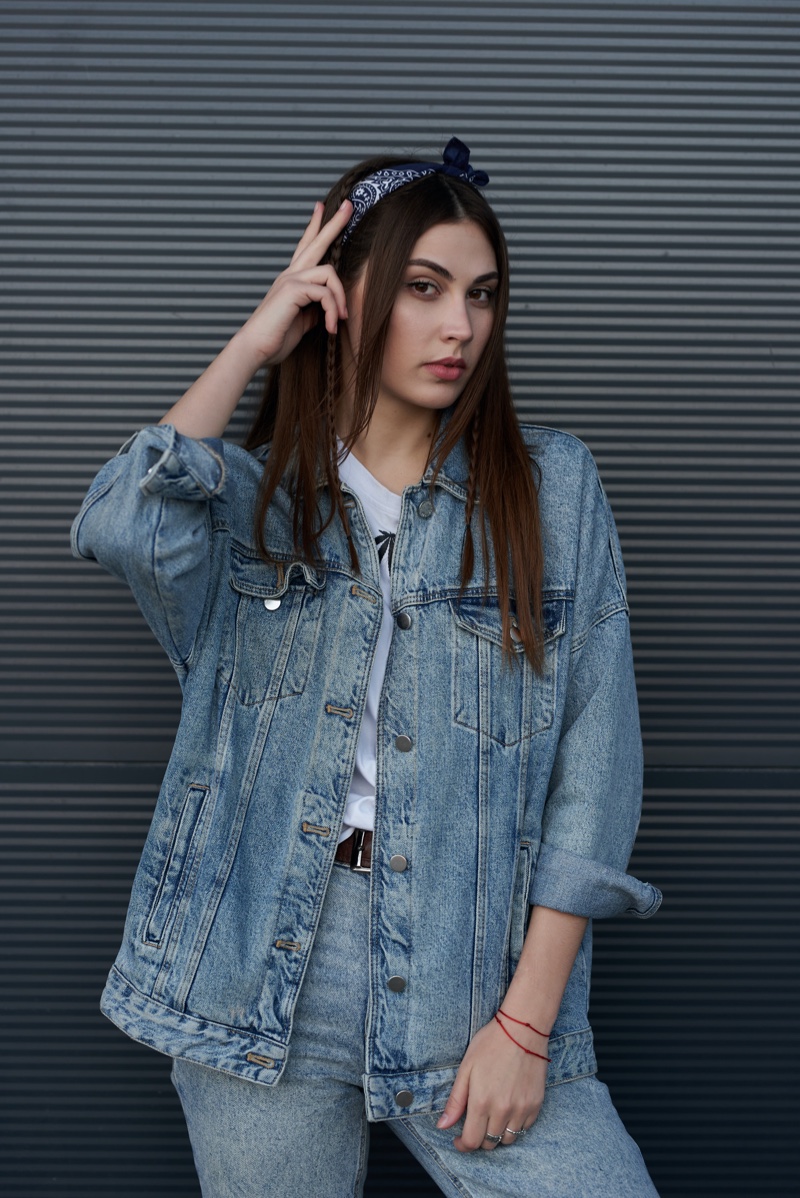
(357, 852)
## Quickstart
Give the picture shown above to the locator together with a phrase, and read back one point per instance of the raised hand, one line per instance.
(288, 310)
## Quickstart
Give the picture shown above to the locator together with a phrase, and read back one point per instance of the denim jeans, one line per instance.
(309, 1133)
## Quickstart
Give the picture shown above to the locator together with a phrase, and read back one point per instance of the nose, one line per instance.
(457, 323)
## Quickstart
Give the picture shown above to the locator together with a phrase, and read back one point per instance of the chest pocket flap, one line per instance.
(278, 607)
(484, 619)
(491, 696)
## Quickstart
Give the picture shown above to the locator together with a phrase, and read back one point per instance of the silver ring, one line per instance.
(494, 1139)
(521, 1131)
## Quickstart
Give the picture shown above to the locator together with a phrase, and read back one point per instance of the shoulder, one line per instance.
(565, 463)
(245, 461)
(545, 443)
(581, 544)
(244, 469)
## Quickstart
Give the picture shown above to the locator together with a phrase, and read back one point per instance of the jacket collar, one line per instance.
(453, 476)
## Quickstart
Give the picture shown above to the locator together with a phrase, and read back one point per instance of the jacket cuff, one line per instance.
(579, 886)
(186, 468)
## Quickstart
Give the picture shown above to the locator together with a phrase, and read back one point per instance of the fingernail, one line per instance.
(341, 206)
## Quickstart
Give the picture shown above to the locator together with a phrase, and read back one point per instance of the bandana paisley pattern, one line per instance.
(367, 192)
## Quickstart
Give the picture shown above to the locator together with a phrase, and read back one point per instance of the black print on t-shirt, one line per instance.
(384, 541)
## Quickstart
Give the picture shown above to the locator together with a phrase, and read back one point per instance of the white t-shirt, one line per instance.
(382, 509)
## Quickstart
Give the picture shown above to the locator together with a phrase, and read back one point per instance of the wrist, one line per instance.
(532, 1042)
(248, 350)
(526, 1019)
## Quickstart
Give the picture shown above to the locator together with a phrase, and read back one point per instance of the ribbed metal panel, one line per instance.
(159, 161)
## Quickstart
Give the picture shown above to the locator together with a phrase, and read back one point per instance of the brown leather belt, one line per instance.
(356, 851)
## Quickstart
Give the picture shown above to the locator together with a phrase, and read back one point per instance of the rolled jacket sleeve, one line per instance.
(146, 520)
(591, 814)
(592, 810)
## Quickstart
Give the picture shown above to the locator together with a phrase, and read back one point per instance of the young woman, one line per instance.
(408, 768)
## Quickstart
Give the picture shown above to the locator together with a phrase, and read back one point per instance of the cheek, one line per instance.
(483, 331)
(405, 331)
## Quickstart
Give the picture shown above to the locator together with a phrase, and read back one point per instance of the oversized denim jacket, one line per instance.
(517, 789)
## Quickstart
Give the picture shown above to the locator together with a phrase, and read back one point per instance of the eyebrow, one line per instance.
(440, 270)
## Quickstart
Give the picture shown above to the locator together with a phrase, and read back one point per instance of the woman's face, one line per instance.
(441, 320)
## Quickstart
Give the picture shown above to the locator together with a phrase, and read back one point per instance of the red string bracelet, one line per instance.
(524, 1024)
(529, 1051)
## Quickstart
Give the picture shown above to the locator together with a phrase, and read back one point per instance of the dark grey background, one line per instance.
(159, 162)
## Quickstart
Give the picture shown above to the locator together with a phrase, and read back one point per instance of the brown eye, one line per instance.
(422, 287)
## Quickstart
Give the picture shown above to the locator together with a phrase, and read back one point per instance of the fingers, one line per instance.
(331, 280)
(318, 238)
(322, 296)
(319, 284)
(456, 1103)
(490, 1130)
(513, 1130)
(329, 293)
(311, 231)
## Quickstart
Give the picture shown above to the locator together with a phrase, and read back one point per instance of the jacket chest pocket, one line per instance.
(269, 653)
(491, 695)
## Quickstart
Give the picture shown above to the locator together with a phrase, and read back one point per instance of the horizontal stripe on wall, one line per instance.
(159, 163)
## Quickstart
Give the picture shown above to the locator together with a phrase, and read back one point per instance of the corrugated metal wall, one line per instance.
(159, 160)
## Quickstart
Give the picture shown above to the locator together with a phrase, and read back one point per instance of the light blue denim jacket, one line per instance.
(517, 788)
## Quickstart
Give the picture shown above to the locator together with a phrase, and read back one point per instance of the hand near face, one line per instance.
(289, 310)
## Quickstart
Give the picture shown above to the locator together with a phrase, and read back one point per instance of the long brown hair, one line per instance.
(297, 414)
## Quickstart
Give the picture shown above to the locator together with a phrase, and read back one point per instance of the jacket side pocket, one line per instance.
(520, 908)
(177, 863)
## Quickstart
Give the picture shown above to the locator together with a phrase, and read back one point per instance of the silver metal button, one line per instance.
(272, 604)
(403, 743)
(396, 983)
(425, 509)
(404, 1098)
(516, 635)
(398, 863)
(404, 620)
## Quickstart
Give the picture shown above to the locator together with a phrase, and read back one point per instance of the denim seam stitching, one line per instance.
(363, 1156)
(182, 1015)
(613, 608)
(409, 1125)
(178, 662)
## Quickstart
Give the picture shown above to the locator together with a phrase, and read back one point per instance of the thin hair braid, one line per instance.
(468, 561)
(329, 402)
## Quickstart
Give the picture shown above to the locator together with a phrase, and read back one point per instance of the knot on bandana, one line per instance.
(455, 158)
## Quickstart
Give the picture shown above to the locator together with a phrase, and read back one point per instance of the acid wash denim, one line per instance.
(517, 789)
(310, 1134)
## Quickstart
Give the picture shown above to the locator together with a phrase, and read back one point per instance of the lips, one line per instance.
(448, 369)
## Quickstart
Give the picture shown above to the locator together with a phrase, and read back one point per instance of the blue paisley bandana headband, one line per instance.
(367, 192)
